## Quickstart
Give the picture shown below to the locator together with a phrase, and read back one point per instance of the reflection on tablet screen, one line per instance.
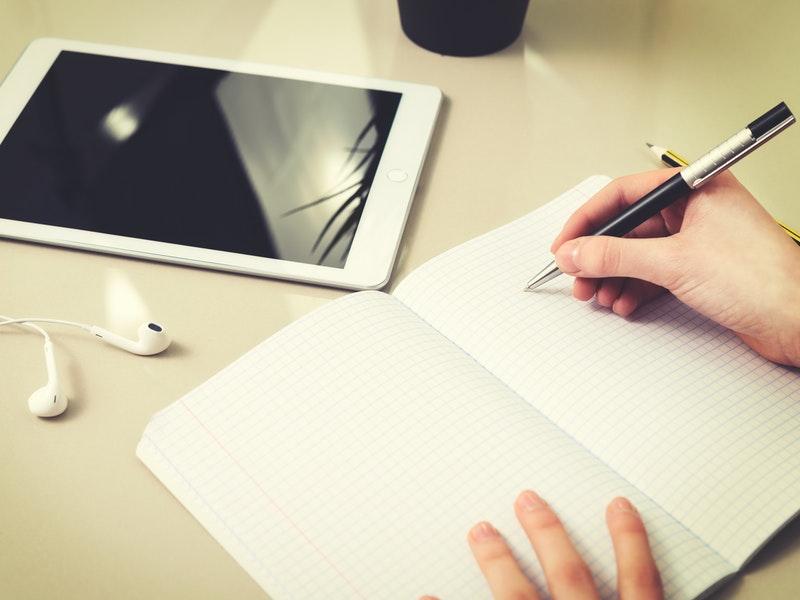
(245, 163)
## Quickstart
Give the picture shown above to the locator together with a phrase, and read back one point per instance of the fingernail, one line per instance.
(530, 501)
(483, 531)
(624, 505)
(567, 257)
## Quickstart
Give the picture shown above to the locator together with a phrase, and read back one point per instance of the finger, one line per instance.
(498, 565)
(673, 216)
(609, 291)
(566, 573)
(637, 574)
(634, 294)
(428, 598)
(655, 226)
(609, 202)
(584, 289)
(656, 260)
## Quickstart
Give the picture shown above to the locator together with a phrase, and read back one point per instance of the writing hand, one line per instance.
(718, 251)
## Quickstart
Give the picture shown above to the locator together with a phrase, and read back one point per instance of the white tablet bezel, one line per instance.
(377, 238)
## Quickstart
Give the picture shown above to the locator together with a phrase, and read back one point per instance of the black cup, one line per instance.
(462, 27)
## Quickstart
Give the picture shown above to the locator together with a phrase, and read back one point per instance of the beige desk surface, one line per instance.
(582, 90)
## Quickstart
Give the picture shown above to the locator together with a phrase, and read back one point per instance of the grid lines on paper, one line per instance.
(674, 403)
(364, 431)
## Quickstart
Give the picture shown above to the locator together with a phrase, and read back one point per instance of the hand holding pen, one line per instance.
(716, 249)
(695, 175)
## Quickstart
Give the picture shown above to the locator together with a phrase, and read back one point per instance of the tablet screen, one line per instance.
(229, 161)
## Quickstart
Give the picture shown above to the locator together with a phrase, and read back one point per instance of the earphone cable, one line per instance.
(29, 320)
(25, 323)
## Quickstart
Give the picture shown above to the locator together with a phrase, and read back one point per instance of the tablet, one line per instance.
(208, 162)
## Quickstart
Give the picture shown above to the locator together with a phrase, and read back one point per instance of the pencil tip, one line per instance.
(649, 145)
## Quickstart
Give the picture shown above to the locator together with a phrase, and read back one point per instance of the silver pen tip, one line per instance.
(551, 271)
(649, 145)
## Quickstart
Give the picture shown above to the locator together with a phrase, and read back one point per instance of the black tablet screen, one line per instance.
(202, 157)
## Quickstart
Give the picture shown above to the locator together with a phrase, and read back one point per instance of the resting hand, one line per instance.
(566, 573)
(718, 251)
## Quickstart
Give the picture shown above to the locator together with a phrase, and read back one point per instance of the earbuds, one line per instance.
(152, 339)
(49, 400)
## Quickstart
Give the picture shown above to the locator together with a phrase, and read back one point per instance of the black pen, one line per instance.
(692, 177)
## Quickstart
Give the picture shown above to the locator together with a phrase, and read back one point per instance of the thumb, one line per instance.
(650, 259)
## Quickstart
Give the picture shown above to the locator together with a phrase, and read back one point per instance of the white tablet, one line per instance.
(208, 162)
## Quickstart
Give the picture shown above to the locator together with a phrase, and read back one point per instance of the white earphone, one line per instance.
(152, 339)
(49, 400)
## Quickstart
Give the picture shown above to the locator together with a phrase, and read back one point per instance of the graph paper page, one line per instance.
(677, 405)
(348, 455)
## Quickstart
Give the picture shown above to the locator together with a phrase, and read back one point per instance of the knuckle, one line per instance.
(543, 519)
(602, 258)
(572, 574)
(673, 266)
(611, 256)
(616, 187)
(493, 553)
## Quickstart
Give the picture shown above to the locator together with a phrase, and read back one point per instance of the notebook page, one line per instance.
(675, 404)
(348, 455)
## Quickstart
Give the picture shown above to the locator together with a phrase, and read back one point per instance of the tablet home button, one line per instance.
(397, 175)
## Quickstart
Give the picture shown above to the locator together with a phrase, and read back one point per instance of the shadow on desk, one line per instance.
(781, 548)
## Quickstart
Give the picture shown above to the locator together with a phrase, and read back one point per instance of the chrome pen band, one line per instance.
(727, 153)
(717, 159)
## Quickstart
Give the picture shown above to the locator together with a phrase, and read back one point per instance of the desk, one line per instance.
(581, 91)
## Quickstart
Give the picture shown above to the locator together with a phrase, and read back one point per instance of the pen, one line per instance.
(690, 178)
(673, 159)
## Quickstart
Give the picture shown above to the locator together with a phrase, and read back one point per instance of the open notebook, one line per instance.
(348, 455)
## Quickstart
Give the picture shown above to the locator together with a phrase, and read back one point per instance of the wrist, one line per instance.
(774, 331)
